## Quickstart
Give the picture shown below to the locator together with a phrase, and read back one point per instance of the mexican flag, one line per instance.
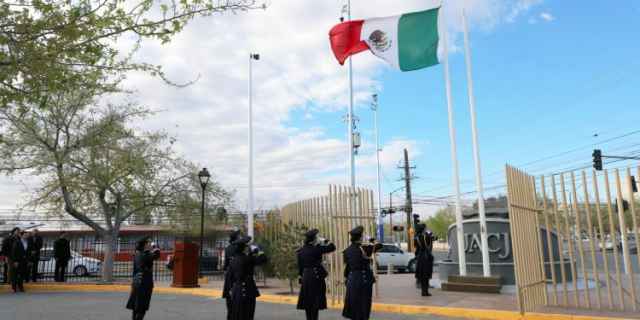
(408, 42)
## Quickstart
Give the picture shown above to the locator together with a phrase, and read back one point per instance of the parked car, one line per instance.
(392, 255)
(79, 265)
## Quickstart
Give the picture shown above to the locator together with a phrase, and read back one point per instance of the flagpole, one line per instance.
(454, 152)
(374, 106)
(352, 160)
(484, 241)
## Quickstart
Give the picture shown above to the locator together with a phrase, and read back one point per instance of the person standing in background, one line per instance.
(19, 262)
(62, 254)
(35, 246)
(423, 242)
(5, 252)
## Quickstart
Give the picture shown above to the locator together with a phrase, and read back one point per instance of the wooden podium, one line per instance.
(185, 267)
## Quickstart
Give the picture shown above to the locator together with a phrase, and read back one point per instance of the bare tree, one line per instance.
(92, 164)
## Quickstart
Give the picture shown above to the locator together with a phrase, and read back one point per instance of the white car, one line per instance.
(392, 255)
(79, 265)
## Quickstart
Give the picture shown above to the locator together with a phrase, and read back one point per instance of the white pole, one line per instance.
(486, 268)
(454, 152)
(375, 125)
(250, 207)
(352, 160)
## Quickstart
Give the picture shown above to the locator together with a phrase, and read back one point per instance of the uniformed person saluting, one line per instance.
(359, 276)
(313, 289)
(229, 252)
(244, 290)
(423, 242)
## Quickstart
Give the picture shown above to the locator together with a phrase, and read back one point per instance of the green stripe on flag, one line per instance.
(418, 40)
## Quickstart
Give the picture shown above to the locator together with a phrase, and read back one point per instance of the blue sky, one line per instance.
(543, 86)
(548, 76)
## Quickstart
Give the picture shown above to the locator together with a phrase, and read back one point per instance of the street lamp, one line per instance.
(252, 56)
(204, 176)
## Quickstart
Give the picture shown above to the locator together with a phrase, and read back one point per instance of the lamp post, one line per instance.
(203, 176)
(252, 56)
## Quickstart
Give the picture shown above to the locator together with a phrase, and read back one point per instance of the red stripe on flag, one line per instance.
(345, 39)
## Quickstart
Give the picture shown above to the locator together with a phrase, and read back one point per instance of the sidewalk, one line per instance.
(397, 294)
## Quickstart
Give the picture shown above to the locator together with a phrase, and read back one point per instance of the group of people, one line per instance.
(240, 289)
(20, 257)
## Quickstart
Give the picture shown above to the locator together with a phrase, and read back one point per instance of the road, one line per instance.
(110, 306)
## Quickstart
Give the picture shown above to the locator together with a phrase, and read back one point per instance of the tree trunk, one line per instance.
(291, 286)
(107, 263)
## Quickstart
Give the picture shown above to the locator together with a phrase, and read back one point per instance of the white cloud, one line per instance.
(546, 16)
(296, 73)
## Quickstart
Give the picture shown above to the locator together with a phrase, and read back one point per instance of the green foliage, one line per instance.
(440, 222)
(284, 258)
(60, 45)
(93, 165)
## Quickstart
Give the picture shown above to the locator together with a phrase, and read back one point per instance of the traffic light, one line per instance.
(597, 159)
(634, 186)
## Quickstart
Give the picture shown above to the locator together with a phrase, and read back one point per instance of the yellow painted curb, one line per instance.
(487, 314)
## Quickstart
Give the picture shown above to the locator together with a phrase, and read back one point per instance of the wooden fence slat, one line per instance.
(603, 239)
(612, 233)
(592, 249)
(578, 234)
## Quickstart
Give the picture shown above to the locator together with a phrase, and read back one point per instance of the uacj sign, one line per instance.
(500, 250)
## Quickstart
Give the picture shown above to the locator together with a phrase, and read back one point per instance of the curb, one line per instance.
(487, 314)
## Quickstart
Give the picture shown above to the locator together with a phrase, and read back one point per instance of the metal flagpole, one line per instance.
(374, 106)
(486, 268)
(454, 152)
(252, 56)
(352, 164)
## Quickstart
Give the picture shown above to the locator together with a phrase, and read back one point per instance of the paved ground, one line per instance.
(110, 306)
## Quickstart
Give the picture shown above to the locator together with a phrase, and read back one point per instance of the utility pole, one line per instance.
(408, 208)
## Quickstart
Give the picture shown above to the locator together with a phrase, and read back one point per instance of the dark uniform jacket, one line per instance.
(18, 252)
(244, 290)
(7, 246)
(142, 286)
(423, 243)
(62, 249)
(229, 253)
(313, 292)
(360, 280)
(35, 246)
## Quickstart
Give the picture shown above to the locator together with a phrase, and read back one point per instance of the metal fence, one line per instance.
(595, 217)
(87, 257)
(335, 215)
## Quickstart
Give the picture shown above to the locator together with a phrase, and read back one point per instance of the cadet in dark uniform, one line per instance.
(19, 260)
(423, 242)
(62, 254)
(7, 247)
(313, 289)
(35, 246)
(142, 284)
(229, 252)
(359, 276)
(244, 290)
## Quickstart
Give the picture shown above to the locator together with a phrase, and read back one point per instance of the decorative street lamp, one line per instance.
(204, 176)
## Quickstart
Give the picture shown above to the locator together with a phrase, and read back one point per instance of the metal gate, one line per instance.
(527, 246)
(595, 219)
